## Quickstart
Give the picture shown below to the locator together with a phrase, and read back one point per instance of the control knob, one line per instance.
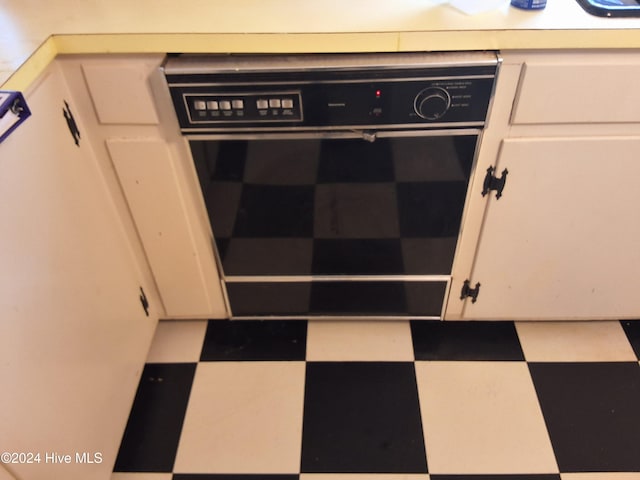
(432, 103)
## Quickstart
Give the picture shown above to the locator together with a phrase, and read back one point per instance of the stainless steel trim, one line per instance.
(334, 278)
(331, 133)
(225, 294)
(207, 63)
(493, 89)
(317, 82)
(218, 261)
(447, 291)
(336, 317)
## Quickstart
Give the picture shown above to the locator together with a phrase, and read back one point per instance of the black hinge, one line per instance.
(13, 111)
(144, 302)
(493, 183)
(467, 291)
(71, 123)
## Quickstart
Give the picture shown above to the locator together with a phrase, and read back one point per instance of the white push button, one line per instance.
(200, 105)
(287, 103)
(238, 104)
(262, 104)
(225, 105)
(212, 105)
(275, 103)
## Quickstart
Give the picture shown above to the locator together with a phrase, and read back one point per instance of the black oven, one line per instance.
(335, 184)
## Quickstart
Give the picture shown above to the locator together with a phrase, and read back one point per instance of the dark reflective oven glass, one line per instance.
(335, 206)
(346, 298)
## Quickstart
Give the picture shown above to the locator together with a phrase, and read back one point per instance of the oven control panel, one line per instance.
(243, 107)
(320, 93)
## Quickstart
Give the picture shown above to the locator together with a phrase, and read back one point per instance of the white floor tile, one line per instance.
(601, 476)
(359, 341)
(177, 341)
(574, 342)
(482, 417)
(362, 476)
(243, 418)
(141, 476)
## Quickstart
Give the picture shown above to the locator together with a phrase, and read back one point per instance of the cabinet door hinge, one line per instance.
(467, 291)
(71, 123)
(13, 111)
(144, 302)
(493, 183)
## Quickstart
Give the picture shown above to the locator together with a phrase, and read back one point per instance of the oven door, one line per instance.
(333, 225)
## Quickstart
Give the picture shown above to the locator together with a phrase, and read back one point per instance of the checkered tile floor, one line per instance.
(318, 400)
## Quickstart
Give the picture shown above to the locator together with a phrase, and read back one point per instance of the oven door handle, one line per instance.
(367, 135)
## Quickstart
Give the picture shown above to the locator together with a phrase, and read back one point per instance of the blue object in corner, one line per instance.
(529, 4)
(13, 111)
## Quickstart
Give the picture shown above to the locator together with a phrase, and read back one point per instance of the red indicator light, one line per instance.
(378, 93)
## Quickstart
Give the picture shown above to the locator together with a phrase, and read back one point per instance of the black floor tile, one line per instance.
(201, 476)
(150, 440)
(592, 412)
(362, 418)
(632, 329)
(435, 340)
(229, 340)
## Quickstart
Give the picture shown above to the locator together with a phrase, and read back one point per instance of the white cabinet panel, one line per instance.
(578, 89)
(148, 178)
(73, 334)
(562, 242)
(120, 92)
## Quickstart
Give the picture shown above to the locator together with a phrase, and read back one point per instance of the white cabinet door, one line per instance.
(173, 247)
(137, 140)
(563, 242)
(73, 333)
